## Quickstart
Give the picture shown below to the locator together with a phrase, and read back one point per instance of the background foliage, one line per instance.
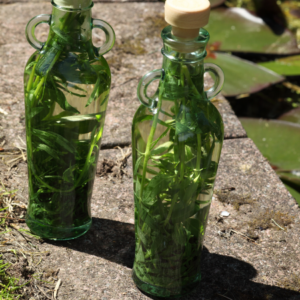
(256, 42)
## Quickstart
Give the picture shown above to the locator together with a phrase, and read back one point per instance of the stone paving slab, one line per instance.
(239, 262)
(95, 1)
(136, 52)
(99, 264)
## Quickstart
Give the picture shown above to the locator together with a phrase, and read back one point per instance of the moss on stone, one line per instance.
(235, 199)
(271, 219)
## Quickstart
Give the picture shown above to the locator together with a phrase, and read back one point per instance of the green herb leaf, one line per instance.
(34, 111)
(141, 235)
(140, 255)
(47, 149)
(95, 93)
(162, 148)
(58, 96)
(158, 184)
(52, 138)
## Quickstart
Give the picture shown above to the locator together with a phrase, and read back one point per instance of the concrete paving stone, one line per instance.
(99, 264)
(237, 263)
(95, 1)
(136, 52)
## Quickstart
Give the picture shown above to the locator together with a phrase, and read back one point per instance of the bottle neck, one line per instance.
(188, 49)
(71, 28)
(183, 79)
(183, 65)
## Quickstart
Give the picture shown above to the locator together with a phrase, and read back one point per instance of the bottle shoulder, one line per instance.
(70, 66)
(193, 116)
(168, 105)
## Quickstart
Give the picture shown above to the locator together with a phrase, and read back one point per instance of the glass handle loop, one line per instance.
(109, 34)
(143, 86)
(218, 77)
(30, 30)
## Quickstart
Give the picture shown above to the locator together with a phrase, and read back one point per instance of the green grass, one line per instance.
(8, 285)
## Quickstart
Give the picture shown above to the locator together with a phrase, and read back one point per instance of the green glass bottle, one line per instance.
(177, 137)
(67, 84)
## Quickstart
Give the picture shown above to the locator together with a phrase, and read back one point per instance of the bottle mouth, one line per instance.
(195, 48)
(70, 8)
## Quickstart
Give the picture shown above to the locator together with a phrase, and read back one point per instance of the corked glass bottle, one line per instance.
(67, 84)
(177, 137)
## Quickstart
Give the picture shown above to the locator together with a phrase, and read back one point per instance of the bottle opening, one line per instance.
(73, 5)
(196, 46)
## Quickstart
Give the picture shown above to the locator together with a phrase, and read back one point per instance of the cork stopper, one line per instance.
(187, 17)
(73, 4)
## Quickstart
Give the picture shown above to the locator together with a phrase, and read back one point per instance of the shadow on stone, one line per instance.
(109, 239)
(221, 275)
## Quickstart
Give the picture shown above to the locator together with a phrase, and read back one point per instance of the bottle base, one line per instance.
(57, 233)
(164, 292)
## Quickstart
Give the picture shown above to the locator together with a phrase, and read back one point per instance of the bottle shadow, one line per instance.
(223, 277)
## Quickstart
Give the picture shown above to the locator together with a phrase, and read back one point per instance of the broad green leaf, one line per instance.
(291, 116)
(47, 149)
(82, 123)
(159, 138)
(292, 183)
(179, 235)
(70, 92)
(95, 93)
(76, 87)
(157, 244)
(60, 115)
(236, 29)
(105, 99)
(187, 206)
(165, 165)
(214, 3)
(182, 213)
(64, 38)
(51, 138)
(290, 178)
(87, 126)
(209, 170)
(30, 65)
(293, 192)
(162, 148)
(34, 111)
(242, 76)
(147, 218)
(278, 141)
(69, 68)
(140, 255)
(141, 235)
(143, 118)
(188, 154)
(137, 165)
(182, 128)
(288, 66)
(101, 86)
(68, 175)
(157, 185)
(194, 226)
(57, 95)
(47, 61)
(150, 171)
(164, 123)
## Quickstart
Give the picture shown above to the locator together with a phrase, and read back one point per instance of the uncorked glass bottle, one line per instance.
(177, 137)
(67, 84)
